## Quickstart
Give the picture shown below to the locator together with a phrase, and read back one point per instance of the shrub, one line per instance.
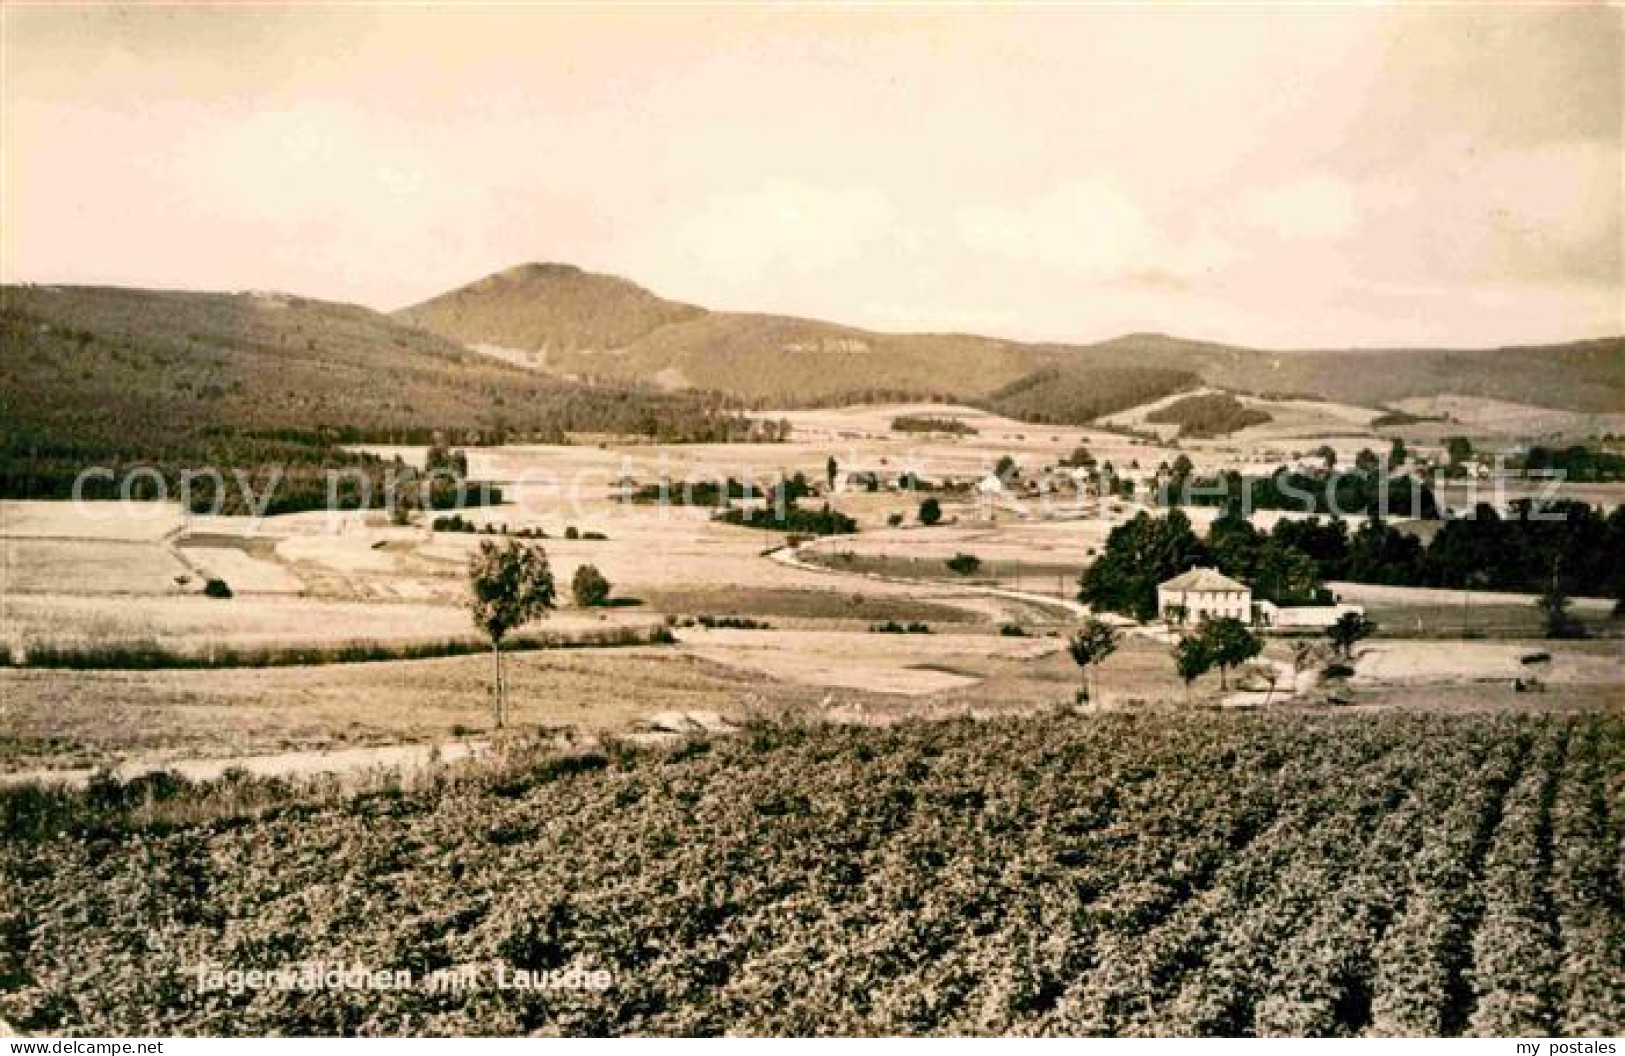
(964, 564)
(930, 512)
(734, 623)
(589, 587)
(572, 532)
(216, 588)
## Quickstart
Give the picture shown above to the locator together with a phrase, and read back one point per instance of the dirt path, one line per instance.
(789, 557)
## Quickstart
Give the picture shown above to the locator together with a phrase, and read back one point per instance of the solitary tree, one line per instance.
(1554, 610)
(1192, 659)
(1459, 449)
(831, 468)
(1303, 654)
(964, 564)
(508, 585)
(930, 512)
(1398, 452)
(1231, 644)
(1272, 678)
(589, 587)
(1348, 631)
(1090, 645)
(1327, 454)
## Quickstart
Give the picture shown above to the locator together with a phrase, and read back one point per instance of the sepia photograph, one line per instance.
(812, 520)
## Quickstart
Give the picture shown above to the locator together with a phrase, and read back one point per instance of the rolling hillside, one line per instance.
(604, 327)
(1580, 375)
(108, 376)
(577, 323)
(125, 362)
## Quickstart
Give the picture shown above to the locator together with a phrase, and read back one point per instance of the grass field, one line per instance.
(1213, 875)
(67, 720)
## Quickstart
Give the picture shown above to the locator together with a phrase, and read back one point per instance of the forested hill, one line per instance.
(573, 322)
(95, 375)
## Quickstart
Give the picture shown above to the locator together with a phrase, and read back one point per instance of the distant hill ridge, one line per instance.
(548, 307)
(607, 328)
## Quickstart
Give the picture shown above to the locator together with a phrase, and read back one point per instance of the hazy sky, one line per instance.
(1305, 176)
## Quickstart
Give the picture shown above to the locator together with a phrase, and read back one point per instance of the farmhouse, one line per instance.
(1204, 593)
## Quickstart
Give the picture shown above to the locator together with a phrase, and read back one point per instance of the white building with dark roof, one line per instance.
(1204, 593)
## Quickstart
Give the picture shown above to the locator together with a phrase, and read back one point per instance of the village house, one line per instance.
(1204, 593)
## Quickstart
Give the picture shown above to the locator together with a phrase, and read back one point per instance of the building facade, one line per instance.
(1204, 593)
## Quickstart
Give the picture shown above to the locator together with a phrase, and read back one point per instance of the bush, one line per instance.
(733, 623)
(964, 564)
(572, 533)
(930, 512)
(589, 587)
(216, 588)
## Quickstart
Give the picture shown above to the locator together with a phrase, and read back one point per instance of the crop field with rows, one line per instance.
(1202, 875)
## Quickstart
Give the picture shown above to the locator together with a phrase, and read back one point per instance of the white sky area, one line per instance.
(1288, 177)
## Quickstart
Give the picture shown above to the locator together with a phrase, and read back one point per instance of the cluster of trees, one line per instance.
(792, 518)
(1074, 395)
(1521, 551)
(1276, 570)
(1209, 414)
(1370, 488)
(719, 493)
(1577, 463)
(456, 522)
(914, 423)
(683, 424)
(1140, 553)
(1563, 548)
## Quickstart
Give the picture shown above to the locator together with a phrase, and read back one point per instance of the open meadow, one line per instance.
(147, 669)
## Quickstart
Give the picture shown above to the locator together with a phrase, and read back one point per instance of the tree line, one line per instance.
(1567, 546)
